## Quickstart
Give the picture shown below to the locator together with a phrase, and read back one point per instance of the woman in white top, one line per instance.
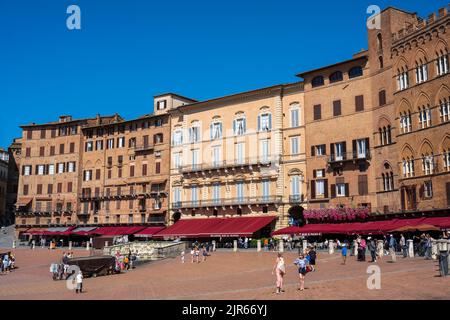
(280, 270)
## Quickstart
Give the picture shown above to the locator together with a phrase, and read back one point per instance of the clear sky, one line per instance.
(128, 51)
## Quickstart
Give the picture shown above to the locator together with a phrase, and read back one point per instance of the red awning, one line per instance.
(82, 231)
(148, 232)
(216, 227)
(364, 227)
(115, 231)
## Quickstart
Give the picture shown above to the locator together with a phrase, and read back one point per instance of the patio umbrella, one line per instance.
(420, 227)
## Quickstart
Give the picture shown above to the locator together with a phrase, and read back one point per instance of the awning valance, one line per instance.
(149, 232)
(115, 231)
(215, 227)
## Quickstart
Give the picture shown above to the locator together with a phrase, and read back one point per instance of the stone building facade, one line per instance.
(232, 156)
(4, 159)
(14, 153)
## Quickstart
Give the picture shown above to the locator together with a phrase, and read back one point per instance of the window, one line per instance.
(194, 133)
(41, 170)
(408, 167)
(158, 122)
(61, 148)
(336, 108)
(317, 81)
(295, 186)
(49, 189)
(52, 150)
(446, 158)
(266, 189)
(444, 109)
(216, 192)
(239, 127)
(380, 62)
(177, 196)
(385, 135)
(355, 72)
(132, 143)
(216, 130)
(161, 105)
(59, 187)
(177, 137)
(359, 103)
(87, 175)
(177, 157)
(239, 152)
(157, 167)
(89, 146)
(363, 187)
(442, 66)
(60, 167)
(424, 116)
(317, 112)
(72, 147)
(240, 190)
(336, 76)
(265, 122)
(379, 42)
(421, 71)
(28, 152)
(382, 98)
(339, 149)
(318, 150)
(71, 166)
(110, 143)
(41, 151)
(295, 117)
(428, 189)
(97, 174)
(194, 194)
(264, 150)
(121, 142)
(69, 189)
(25, 189)
(295, 145)
(319, 173)
(26, 170)
(39, 189)
(216, 156)
(405, 122)
(340, 190)
(428, 164)
(131, 171)
(402, 78)
(195, 158)
(53, 133)
(320, 187)
(99, 145)
(51, 169)
(361, 148)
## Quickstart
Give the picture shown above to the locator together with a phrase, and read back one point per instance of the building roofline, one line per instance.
(401, 10)
(62, 123)
(363, 57)
(175, 95)
(236, 95)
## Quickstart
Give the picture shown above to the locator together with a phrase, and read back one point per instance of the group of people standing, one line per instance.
(196, 251)
(7, 262)
(305, 263)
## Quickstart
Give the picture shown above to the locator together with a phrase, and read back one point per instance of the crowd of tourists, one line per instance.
(126, 261)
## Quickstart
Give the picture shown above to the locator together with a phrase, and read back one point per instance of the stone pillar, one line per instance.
(70, 245)
(14, 244)
(355, 248)
(281, 245)
(106, 243)
(305, 245)
(434, 250)
(410, 248)
(258, 245)
(235, 248)
(214, 245)
(87, 245)
(33, 244)
(330, 246)
(380, 251)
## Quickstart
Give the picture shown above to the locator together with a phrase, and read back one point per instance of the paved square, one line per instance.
(228, 275)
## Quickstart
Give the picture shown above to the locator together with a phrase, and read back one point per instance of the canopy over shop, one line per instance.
(372, 227)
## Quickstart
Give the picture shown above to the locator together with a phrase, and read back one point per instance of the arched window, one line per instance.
(239, 125)
(336, 76)
(317, 81)
(421, 71)
(265, 121)
(427, 164)
(379, 42)
(444, 109)
(355, 72)
(446, 158)
(405, 121)
(215, 129)
(442, 65)
(177, 137)
(388, 178)
(424, 116)
(194, 132)
(380, 62)
(402, 78)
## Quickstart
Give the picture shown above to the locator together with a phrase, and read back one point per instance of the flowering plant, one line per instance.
(336, 214)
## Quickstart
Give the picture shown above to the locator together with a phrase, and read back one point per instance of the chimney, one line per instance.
(98, 119)
(65, 118)
(442, 12)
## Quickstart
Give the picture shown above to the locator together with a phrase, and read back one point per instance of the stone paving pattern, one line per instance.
(228, 275)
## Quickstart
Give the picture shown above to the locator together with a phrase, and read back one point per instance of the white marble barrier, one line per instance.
(304, 245)
(14, 244)
(355, 248)
(214, 245)
(70, 245)
(330, 246)
(87, 245)
(434, 250)
(235, 247)
(258, 245)
(410, 248)
(281, 245)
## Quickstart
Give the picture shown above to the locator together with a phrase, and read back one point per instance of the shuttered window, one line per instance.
(359, 103)
(336, 108)
(317, 112)
(362, 185)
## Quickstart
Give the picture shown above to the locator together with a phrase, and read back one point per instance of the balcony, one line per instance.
(229, 164)
(354, 156)
(144, 147)
(121, 195)
(244, 201)
(296, 198)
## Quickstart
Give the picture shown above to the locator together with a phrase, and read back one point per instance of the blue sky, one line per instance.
(129, 51)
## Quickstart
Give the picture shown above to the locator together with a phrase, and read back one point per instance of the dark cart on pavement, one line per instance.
(95, 266)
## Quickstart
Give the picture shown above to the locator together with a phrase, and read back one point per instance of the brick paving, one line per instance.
(228, 275)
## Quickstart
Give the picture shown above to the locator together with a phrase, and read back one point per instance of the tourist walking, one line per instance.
(280, 270)
(428, 247)
(403, 245)
(392, 246)
(372, 249)
(312, 254)
(197, 254)
(192, 255)
(344, 253)
(301, 263)
(79, 280)
(204, 253)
